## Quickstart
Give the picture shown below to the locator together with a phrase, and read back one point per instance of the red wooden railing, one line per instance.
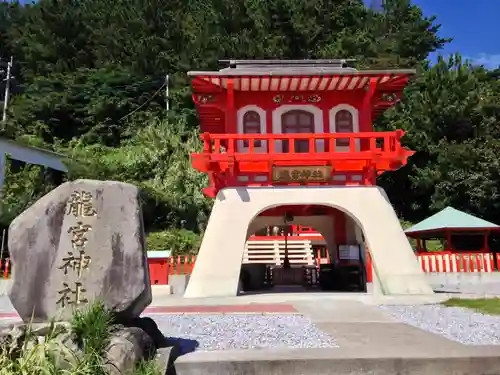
(318, 143)
(223, 154)
(381, 149)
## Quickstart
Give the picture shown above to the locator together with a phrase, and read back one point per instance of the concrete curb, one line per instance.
(5, 286)
(411, 361)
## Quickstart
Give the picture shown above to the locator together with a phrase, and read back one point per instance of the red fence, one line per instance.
(463, 262)
(4, 268)
(161, 268)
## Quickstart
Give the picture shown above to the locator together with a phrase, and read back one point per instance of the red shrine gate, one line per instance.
(281, 138)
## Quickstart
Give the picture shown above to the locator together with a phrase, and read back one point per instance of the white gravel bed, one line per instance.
(244, 331)
(455, 323)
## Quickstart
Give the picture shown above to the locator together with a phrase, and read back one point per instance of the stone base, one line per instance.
(178, 283)
(466, 361)
(161, 290)
(487, 283)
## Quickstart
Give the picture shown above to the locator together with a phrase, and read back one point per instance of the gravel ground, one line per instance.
(242, 331)
(455, 323)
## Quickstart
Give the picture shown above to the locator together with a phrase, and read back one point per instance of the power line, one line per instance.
(146, 102)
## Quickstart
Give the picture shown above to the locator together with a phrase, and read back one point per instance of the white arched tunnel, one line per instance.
(235, 211)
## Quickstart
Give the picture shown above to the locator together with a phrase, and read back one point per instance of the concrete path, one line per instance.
(371, 342)
(314, 297)
(160, 299)
(352, 324)
(361, 327)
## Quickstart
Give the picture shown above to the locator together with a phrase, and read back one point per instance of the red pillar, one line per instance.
(449, 246)
(486, 246)
(231, 126)
(419, 245)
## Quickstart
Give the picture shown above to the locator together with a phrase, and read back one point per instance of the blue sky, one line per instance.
(474, 26)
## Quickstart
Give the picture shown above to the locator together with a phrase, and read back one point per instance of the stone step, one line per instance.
(484, 360)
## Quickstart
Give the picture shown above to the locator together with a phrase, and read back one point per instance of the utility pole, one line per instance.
(167, 98)
(7, 88)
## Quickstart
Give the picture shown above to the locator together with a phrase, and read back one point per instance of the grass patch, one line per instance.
(147, 368)
(79, 349)
(92, 328)
(484, 305)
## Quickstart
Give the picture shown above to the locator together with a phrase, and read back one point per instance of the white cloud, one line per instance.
(490, 61)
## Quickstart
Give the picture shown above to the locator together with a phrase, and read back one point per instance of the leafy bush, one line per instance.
(53, 354)
(179, 241)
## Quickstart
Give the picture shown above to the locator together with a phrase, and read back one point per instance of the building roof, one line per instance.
(158, 254)
(32, 155)
(298, 71)
(258, 68)
(299, 75)
(287, 80)
(451, 218)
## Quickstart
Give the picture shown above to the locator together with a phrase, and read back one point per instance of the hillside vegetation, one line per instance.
(89, 83)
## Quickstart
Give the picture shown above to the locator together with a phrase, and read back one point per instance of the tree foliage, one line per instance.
(89, 84)
(452, 115)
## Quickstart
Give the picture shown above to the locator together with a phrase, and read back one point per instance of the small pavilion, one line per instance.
(457, 230)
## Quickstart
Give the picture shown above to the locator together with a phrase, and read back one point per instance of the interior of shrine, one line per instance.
(304, 248)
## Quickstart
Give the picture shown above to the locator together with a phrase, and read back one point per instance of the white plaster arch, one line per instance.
(263, 127)
(355, 123)
(318, 122)
(394, 263)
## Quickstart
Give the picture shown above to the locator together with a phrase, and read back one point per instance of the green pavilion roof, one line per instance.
(450, 218)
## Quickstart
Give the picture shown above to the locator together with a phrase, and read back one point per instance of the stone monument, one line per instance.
(81, 242)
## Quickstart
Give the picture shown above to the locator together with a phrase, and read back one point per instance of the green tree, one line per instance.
(452, 115)
(90, 77)
(97, 106)
(24, 185)
(157, 160)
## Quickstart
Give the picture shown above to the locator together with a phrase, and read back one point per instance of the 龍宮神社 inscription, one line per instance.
(80, 206)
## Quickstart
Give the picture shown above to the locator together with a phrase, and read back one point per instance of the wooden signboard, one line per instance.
(302, 174)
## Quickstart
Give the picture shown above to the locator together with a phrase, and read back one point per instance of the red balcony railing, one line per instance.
(343, 151)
